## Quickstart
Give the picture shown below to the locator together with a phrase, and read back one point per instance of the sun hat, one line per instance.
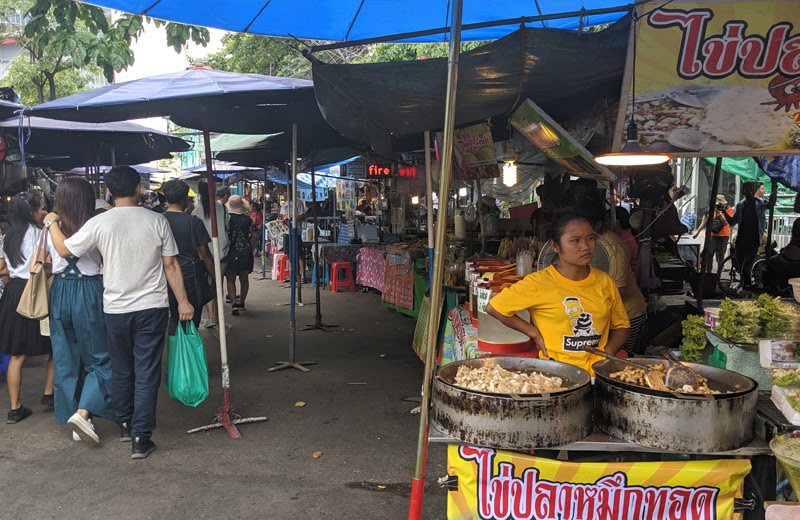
(238, 206)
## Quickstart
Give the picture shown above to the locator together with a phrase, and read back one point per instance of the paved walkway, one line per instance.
(354, 414)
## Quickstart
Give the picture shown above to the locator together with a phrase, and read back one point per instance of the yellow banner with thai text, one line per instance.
(504, 485)
(717, 78)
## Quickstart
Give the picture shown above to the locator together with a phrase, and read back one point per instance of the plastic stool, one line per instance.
(325, 277)
(284, 268)
(342, 276)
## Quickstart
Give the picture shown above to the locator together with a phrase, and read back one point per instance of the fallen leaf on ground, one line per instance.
(381, 486)
(317, 454)
(300, 403)
(382, 355)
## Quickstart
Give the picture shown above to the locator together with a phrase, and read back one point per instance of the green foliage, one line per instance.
(694, 339)
(251, 53)
(73, 39)
(30, 83)
(413, 51)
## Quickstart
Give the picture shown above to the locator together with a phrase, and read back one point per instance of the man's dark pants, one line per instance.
(136, 343)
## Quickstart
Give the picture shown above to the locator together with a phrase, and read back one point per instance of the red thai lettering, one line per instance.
(756, 60)
(721, 51)
(703, 503)
(545, 504)
(655, 502)
(679, 504)
(501, 491)
(790, 61)
(693, 23)
(733, 51)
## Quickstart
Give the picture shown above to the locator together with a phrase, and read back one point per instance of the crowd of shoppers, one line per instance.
(118, 290)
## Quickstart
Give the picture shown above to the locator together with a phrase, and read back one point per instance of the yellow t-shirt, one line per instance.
(569, 314)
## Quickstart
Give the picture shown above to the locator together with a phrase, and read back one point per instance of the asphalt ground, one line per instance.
(354, 415)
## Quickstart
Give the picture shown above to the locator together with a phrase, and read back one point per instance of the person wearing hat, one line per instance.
(240, 259)
(720, 229)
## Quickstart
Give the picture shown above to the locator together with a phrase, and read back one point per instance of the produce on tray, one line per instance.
(793, 396)
(694, 339)
(636, 376)
(739, 321)
(786, 376)
(498, 380)
(779, 319)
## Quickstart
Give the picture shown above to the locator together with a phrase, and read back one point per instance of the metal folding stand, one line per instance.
(292, 363)
(317, 325)
(264, 230)
(225, 417)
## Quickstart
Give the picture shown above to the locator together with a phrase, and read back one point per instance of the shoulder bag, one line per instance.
(34, 303)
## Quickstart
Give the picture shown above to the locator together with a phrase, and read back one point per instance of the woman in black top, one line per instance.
(240, 259)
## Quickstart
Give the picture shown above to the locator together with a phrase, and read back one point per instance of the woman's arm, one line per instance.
(616, 340)
(520, 325)
(4, 274)
(700, 227)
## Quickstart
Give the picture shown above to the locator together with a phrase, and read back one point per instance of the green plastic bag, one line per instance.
(187, 370)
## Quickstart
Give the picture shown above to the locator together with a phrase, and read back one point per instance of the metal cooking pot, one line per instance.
(662, 420)
(514, 422)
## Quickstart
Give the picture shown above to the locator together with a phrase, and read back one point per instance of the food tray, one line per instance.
(778, 396)
(779, 353)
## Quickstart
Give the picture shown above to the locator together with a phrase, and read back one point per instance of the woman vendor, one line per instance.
(572, 304)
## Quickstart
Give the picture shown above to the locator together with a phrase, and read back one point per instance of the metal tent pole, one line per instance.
(318, 325)
(705, 263)
(225, 417)
(292, 363)
(481, 214)
(418, 483)
(429, 200)
(264, 229)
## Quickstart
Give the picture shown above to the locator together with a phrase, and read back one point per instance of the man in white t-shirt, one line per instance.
(139, 260)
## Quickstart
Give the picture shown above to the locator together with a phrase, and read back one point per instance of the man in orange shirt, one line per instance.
(720, 229)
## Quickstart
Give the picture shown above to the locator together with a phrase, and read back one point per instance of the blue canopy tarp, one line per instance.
(342, 20)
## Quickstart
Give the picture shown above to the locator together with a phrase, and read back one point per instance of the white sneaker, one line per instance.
(76, 437)
(84, 429)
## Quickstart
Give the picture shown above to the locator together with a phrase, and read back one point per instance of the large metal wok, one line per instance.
(676, 422)
(518, 422)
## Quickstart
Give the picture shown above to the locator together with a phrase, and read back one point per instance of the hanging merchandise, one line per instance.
(474, 156)
(346, 197)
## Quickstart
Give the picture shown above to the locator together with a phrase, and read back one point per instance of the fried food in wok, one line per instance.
(635, 376)
(497, 380)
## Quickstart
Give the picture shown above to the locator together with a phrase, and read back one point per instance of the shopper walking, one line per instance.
(21, 337)
(194, 255)
(139, 262)
(240, 260)
(82, 363)
(749, 214)
(203, 212)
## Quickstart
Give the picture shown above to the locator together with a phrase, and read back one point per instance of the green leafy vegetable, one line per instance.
(694, 339)
(739, 321)
(779, 319)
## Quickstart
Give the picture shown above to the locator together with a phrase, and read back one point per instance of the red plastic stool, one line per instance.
(284, 268)
(342, 276)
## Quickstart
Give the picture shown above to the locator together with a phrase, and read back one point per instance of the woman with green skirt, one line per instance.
(82, 364)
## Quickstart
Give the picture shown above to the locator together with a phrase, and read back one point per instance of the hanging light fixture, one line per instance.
(415, 199)
(631, 153)
(509, 173)
(462, 192)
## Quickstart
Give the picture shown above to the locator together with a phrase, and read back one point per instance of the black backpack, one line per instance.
(717, 224)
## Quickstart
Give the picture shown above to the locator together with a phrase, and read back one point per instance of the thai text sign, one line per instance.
(719, 78)
(474, 156)
(502, 485)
